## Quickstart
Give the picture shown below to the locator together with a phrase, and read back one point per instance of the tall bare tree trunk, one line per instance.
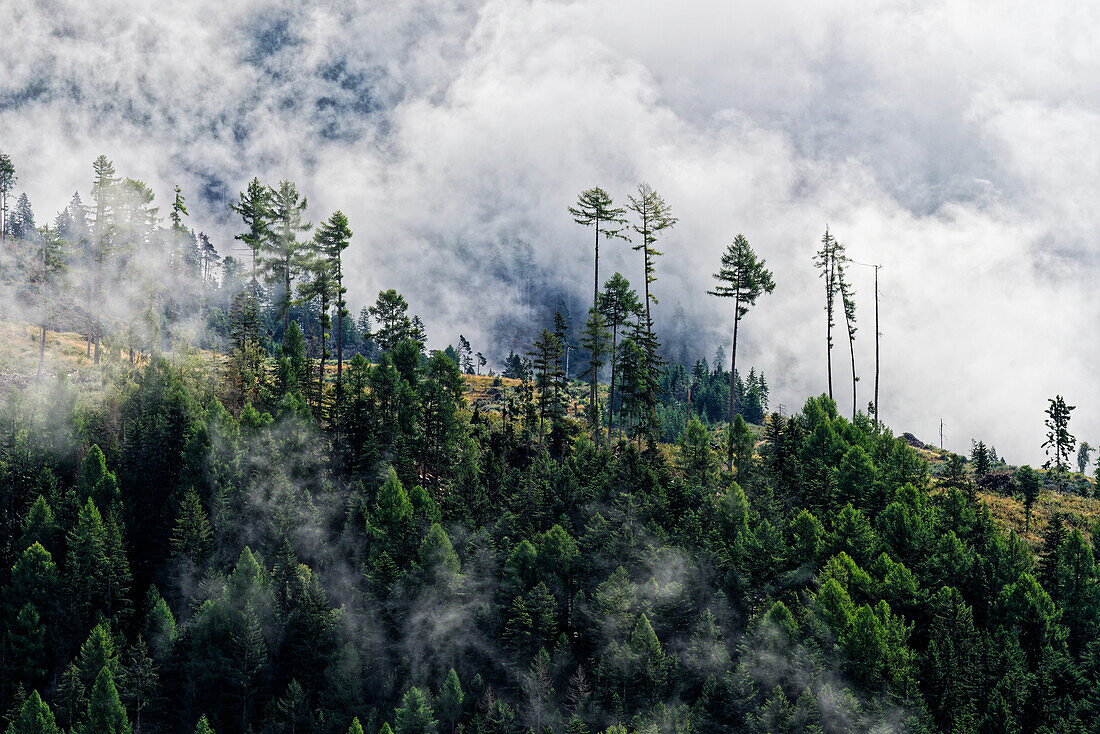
(733, 371)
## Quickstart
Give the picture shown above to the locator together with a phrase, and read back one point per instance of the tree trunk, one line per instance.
(592, 390)
(876, 348)
(611, 390)
(339, 333)
(733, 372)
(829, 325)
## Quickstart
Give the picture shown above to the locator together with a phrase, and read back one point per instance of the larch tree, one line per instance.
(332, 238)
(595, 209)
(254, 207)
(594, 338)
(282, 250)
(744, 278)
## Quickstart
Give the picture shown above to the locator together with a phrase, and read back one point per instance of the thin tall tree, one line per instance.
(744, 278)
(653, 217)
(282, 249)
(254, 206)
(103, 188)
(332, 238)
(7, 183)
(596, 209)
(618, 303)
(847, 299)
(825, 259)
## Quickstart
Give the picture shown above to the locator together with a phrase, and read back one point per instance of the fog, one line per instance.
(952, 143)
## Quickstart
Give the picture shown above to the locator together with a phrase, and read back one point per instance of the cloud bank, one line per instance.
(951, 142)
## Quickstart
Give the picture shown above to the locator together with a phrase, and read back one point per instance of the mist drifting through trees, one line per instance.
(308, 422)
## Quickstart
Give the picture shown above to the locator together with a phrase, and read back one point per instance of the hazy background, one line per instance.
(955, 143)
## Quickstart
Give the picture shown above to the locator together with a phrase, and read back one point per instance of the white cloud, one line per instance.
(952, 142)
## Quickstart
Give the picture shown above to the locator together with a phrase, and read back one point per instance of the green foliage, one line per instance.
(34, 717)
(415, 714)
(105, 713)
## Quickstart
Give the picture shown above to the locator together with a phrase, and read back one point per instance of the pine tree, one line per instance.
(203, 726)
(979, 455)
(743, 278)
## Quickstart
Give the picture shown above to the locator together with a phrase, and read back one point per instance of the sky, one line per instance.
(953, 143)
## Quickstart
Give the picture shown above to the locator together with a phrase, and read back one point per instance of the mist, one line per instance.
(948, 142)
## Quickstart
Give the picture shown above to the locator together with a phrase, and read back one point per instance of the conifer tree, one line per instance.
(103, 195)
(594, 339)
(826, 259)
(192, 537)
(450, 700)
(389, 313)
(743, 278)
(848, 303)
(254, 206)
(595, 209)
(618, 303)
(653, 217)
(22, 220)
(332, 238)
(1060, 442)
(281, 249)
(105, 714)
(415, 714)
(1027, 480)
(34, 717)
(7, 183)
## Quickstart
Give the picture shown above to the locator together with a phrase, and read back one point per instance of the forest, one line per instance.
(228, 505)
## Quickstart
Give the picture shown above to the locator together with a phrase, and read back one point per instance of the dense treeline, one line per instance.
(265, 545)
(167, 560)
